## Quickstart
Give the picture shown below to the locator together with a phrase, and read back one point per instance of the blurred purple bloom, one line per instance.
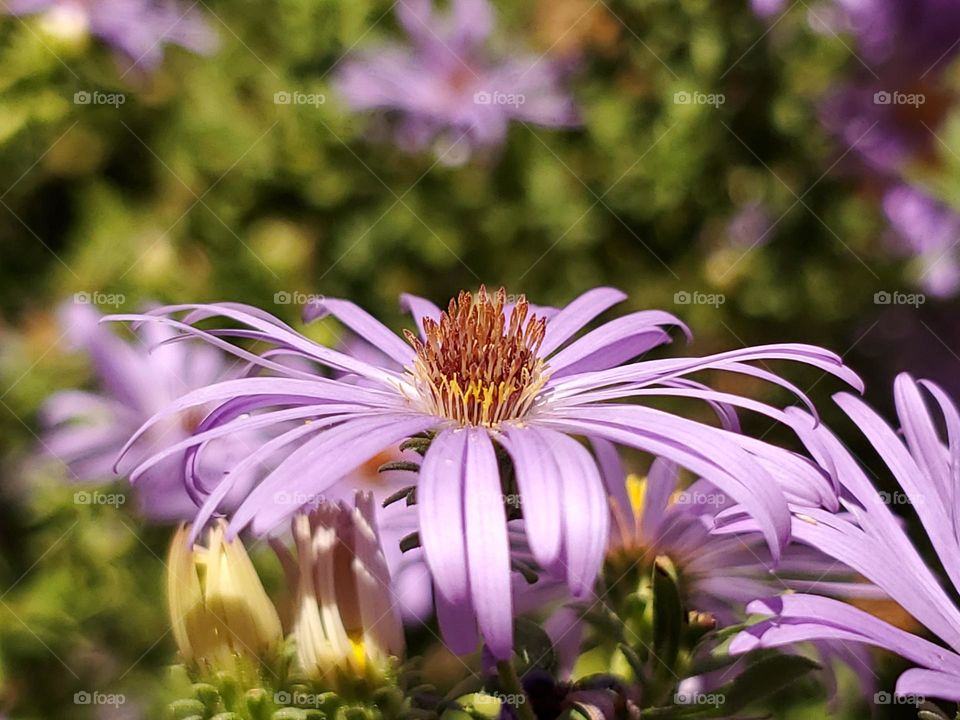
(138, 29)
(481, 374)
(924, 34)
(929, 230)
(768, 8)
(886, 122)
(86, 430)
(446, 86)
(750, 227)
(871, 540)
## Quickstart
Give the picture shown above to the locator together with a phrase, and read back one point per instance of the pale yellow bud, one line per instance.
(346, 621)
(218, 606)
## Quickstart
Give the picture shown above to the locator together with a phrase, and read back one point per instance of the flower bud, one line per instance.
(346, 622)
(218, 606)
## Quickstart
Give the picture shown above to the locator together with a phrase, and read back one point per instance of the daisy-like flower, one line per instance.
(137, 29)
(718, 572)
(346, 619)
(448, 89)
(496, 385)
(873, 542)
(136, 379)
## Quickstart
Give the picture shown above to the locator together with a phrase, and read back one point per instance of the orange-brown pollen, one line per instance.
(476, 366)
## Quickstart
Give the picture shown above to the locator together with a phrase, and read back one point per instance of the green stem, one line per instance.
(510, 685)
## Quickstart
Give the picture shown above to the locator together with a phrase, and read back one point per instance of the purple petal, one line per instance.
(440, 495)
(319, 463)
(537, 479)
(576, 315)
(363, 324)
(488, 551)
(930, 683)
(420, 308)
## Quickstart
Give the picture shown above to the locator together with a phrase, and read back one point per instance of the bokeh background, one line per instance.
(734, 165)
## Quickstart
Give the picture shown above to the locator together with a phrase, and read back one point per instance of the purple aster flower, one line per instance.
(488, 381)
(137, 29)
(86, 430)
(930, 230)
(719, 572)
(871, 540)
(446, 86)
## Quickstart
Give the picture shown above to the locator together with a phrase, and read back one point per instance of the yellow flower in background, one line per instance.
(218, 606)
(346, 622)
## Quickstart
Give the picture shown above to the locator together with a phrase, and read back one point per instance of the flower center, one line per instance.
(477, 366)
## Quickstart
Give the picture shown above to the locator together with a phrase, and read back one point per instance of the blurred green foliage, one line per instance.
(199, 187)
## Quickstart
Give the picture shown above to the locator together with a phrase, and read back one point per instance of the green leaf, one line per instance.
(668, 612)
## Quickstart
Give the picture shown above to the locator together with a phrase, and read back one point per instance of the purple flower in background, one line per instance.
(447, 88)
(872, 541)
(138, 29)
(929, 230)
(768, 8)
(886, 122)
(923, 34)
(481, 375)
(136, 379)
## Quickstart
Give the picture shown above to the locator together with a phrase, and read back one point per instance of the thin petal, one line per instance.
(488, 550)
(576, 315)
(363, 324)
(440, 495)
